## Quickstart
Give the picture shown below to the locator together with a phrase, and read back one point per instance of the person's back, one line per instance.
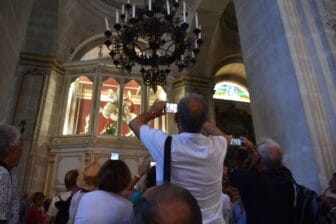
(103, 207)
(267, 195)
(196, 164)
(106, 205)
(266, 191)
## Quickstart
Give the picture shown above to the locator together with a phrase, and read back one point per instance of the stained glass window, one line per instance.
(231, 91)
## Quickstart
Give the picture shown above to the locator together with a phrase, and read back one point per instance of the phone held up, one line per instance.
(170, 108)
(114, 156)
(236, 141)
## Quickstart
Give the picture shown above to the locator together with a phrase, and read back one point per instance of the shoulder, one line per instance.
(4, 172)
(145, 130)
(64, 195)
(5, 176)
(151, 137)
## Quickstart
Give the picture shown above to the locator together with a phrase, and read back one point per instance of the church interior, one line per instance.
(266, 68)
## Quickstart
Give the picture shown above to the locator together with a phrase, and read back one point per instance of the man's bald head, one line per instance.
(167, 204)
(192, 113)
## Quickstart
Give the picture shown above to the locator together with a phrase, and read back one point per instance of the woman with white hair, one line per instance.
(11, 146)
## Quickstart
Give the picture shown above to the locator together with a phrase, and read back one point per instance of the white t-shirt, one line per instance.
(52, 210)
(196, 164)
(104, 208)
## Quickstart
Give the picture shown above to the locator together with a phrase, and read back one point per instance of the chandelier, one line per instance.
(153, 37)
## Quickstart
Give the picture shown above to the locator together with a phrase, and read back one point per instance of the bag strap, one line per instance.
(166, 159)
(60, 198)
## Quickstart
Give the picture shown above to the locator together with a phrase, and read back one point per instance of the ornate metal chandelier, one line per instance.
(153, 37)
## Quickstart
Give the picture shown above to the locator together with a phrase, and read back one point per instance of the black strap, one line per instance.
(166, 159)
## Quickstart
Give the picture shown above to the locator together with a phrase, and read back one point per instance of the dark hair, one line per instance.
(192, 112)
(146, 210)
(114, 176)
(70, 179)
(37, 196)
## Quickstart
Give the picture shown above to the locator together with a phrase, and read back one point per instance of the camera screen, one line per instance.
(171, 108)
(152, 164)
(114, 156)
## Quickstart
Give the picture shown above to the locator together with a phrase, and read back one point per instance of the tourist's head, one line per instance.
(166, 204)
(38, 198)
(192, 112)
(87, 179)
(114, 176)
(11, 145)
(70, 179)
(270, 154)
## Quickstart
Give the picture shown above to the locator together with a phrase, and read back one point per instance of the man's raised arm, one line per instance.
(156, 110)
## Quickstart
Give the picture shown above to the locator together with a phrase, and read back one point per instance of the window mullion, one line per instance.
(120, 105)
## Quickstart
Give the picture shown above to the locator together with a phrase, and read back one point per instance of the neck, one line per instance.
(6, 164)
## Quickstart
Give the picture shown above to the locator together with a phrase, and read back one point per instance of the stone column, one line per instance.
(203, 86)
(39, 100)
(290, 63)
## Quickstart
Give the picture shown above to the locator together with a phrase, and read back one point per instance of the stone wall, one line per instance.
(13, 24)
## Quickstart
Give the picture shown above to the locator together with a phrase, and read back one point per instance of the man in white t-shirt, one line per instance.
(196, 158)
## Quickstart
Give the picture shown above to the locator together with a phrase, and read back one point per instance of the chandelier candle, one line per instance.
(168, 7)
(184, 12)
(117, 16)
(107, 24)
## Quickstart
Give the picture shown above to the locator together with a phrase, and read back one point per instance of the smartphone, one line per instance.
(236, 141)
(115, 156)
(171, 108)
(152, 164)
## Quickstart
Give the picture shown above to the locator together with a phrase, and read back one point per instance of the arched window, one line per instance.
(227, 90)
(78, 105)
(108, 115)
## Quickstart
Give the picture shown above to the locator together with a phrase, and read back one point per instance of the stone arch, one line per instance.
(87, 45)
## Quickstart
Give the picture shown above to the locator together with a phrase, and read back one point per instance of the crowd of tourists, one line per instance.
(188, 184)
